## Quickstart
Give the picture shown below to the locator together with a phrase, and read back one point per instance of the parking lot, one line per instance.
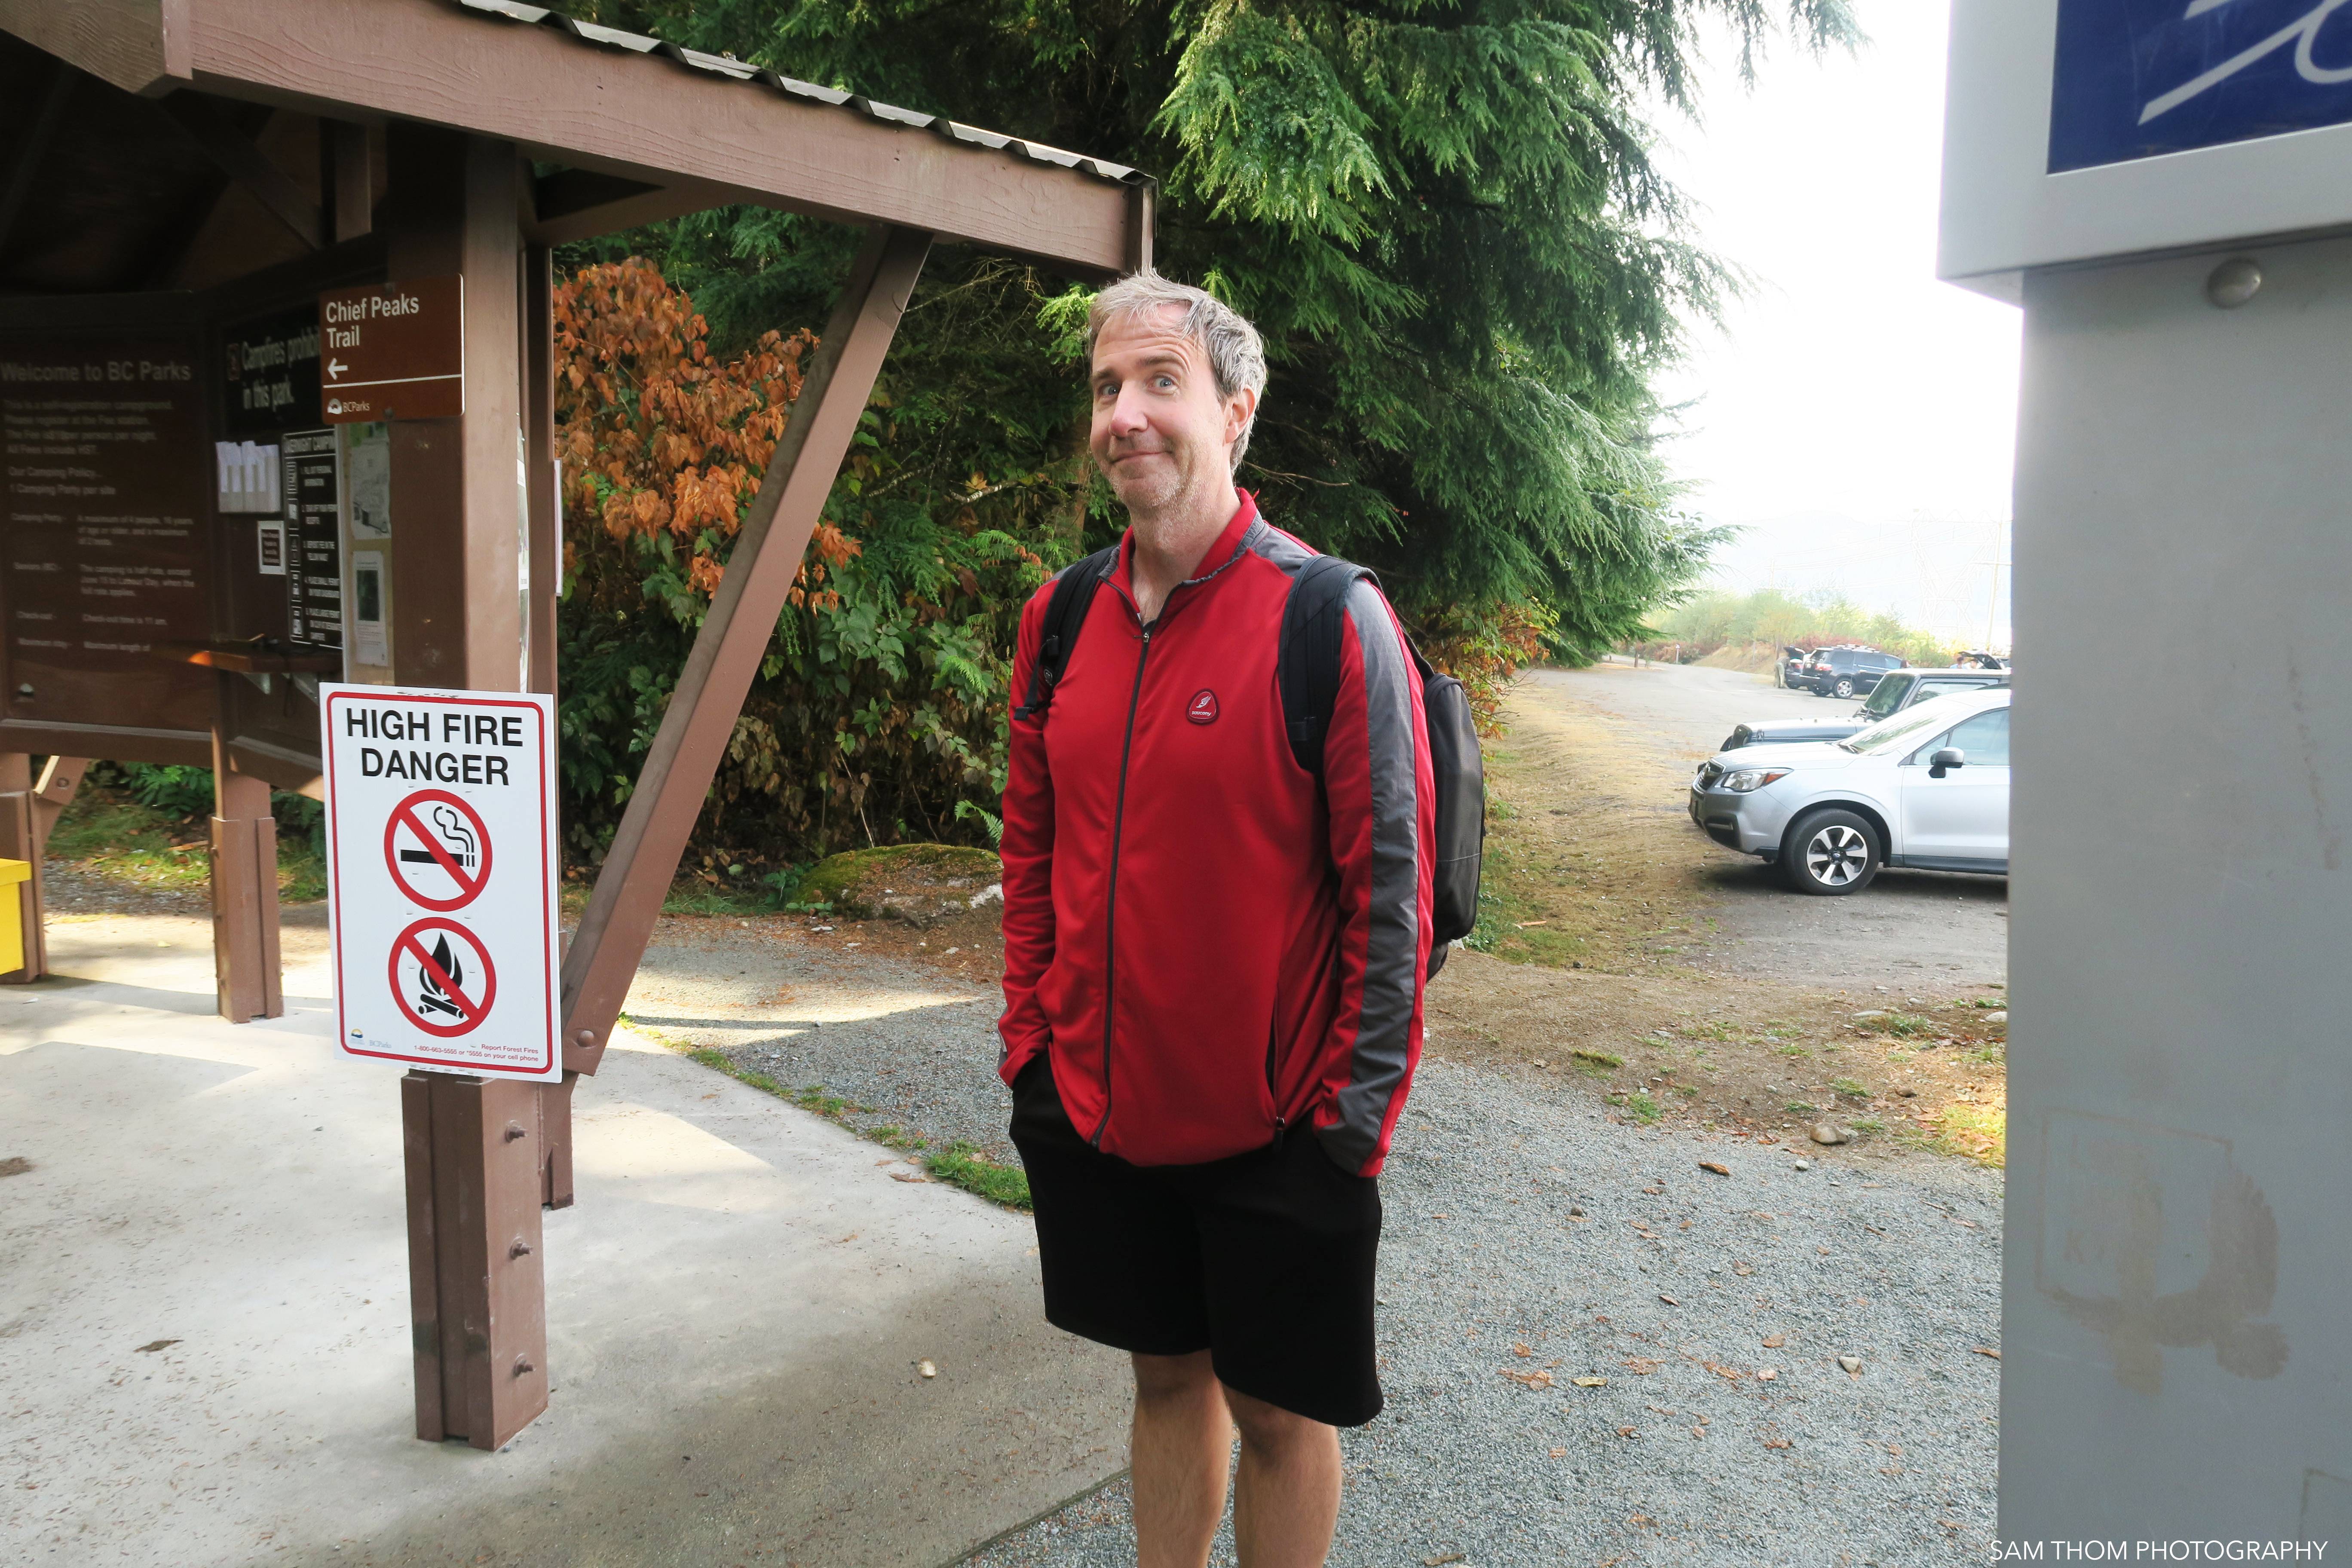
(1908, 928)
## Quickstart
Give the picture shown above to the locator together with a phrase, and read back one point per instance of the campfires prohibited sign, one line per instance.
(441, 873)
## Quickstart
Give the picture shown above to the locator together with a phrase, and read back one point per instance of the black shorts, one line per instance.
(1265, 1260)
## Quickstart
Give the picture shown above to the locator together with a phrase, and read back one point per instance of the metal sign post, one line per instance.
(2160, 185)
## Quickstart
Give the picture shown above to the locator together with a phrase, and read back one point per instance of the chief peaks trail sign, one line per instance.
(441, 877)
(392, 349)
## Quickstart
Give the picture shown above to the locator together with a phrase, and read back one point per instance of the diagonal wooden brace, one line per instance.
(700, 720)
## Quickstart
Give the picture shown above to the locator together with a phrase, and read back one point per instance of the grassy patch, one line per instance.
(122, 839)
(1799, 1107)
(1904, 1026)
(959, 1165)
(107, 831)
(1606, 1061)
(1853, 1087)
(1642, 1108)
(1979, 1133)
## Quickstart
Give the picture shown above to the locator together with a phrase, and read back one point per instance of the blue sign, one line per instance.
(2139, 77)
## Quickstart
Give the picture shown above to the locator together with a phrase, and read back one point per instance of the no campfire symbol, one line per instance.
(438, 849)
(443, 978)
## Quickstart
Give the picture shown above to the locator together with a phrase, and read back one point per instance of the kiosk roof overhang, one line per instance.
(674, 131)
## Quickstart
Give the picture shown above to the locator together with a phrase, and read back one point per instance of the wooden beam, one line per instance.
(581, 204)
(734, 638)
(140, 46)
(34, 147)
(233, 153)
(346, 179)
(1142, 225)
(652, 119)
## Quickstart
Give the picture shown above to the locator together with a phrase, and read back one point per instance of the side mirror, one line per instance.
(1946, 757)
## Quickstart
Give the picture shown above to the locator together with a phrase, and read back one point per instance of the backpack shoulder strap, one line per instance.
(1066, 616)
(1307, 663)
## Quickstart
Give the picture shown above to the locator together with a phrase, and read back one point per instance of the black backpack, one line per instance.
(1307, 666)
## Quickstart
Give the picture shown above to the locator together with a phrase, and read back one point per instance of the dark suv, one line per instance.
(1845, 671)
(1901, 690)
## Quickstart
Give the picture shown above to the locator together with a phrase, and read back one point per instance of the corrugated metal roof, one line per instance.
(722, 65)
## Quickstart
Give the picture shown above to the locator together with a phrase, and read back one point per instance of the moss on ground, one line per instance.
(855, 876)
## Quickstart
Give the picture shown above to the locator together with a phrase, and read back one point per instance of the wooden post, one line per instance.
(28, 809)
(476, 1274)
(20, 840)
(543, 582)
(478, 1150)
(734, 638)
(248, 978)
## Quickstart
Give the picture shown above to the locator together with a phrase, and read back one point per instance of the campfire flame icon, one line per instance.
(430, 997)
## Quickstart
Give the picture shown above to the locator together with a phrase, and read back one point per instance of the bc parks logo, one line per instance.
(2135, 79)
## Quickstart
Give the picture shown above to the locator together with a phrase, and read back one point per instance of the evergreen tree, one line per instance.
(1442, 214)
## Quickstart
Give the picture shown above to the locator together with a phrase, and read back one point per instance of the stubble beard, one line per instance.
(1159, 500)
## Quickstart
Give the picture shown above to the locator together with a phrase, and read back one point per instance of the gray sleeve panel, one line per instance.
(1393, 946)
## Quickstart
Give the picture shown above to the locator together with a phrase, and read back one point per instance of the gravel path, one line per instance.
(1685, 1456)
(913, 1047)
(1672, 1461)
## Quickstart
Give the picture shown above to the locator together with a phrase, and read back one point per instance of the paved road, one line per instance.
(1909, 930)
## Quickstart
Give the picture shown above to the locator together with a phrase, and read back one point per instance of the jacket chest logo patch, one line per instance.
(1204, 707)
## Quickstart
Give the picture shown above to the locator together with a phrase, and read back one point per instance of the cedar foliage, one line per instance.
(1443, 214)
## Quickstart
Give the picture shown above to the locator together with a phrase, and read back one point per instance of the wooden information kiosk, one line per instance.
(274, 331)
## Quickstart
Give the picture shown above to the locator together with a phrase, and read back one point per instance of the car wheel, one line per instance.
(1831, 853)
(1844, 686)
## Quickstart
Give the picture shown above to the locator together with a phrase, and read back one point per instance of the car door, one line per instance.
(1962, 820)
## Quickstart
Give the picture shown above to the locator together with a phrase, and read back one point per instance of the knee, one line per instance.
(1274, 1432)
(1160, 1379)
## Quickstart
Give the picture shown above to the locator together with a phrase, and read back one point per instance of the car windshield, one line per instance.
(1889, 734)
(1887, 697)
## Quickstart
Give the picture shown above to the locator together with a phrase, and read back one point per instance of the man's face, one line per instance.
(1162, 432)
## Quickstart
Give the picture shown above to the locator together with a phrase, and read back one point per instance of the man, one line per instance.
(1214, 959)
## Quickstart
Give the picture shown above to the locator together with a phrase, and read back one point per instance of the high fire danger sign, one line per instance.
(441, 877)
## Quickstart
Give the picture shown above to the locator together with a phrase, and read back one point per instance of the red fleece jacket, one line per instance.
(1213, 945)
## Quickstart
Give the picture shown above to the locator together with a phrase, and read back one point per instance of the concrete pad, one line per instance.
(736, 1308)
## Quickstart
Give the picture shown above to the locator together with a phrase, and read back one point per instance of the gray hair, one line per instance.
(1236, 355)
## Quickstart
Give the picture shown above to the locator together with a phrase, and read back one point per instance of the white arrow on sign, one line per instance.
(336, 367)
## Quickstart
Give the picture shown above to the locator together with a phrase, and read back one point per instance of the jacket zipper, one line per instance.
(1110, 921)
(1272, 1091)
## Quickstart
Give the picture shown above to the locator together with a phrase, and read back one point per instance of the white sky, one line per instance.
(1855, 415)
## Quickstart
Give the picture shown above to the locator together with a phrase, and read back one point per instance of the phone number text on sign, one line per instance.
(441, 861)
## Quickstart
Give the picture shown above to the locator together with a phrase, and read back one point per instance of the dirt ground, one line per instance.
(1600, 899)
(1600, 955)
(1601, 903)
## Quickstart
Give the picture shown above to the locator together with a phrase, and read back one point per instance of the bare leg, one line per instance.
(1182, 1440)
(1286, 1490)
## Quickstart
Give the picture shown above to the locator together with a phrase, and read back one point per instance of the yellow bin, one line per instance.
(12, 914)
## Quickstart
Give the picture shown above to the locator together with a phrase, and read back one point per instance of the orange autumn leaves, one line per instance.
(658, 436)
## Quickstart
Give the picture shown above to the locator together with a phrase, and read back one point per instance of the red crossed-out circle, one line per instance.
(406, 813)
(473, 1007)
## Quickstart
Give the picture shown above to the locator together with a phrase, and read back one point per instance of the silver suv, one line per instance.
(1928, 788)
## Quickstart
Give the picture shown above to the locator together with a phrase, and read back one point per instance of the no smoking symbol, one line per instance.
(438, 849)
(442, 977)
